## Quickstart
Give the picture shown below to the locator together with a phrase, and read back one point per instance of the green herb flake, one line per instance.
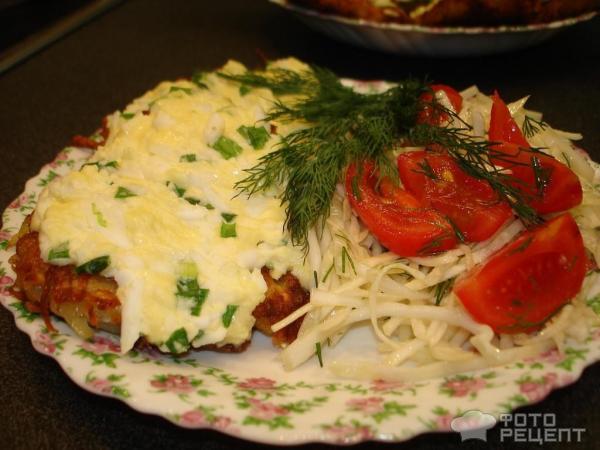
(346, 255)
(227, 148)
(189, 157)
(442, 289)
(228, 217)
(257, 137)
(522, 246)
(193, 200)
(99, 216)
(59, 252)
(101, 165)
(228, 315)
(244, 90)
(328, 272)
(179, 191)
(316, 277)
(228, 230)
(127, 115)
(188, 91)
(178, 341)
(319, 353)
(94, 266)
(189, 289)
(198, 80)
(594, 303)
(123, 192)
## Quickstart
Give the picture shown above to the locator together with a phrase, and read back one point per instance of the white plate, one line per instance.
(250, 396)
(410, 39)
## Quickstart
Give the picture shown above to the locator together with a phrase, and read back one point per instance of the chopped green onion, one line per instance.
(244, 89)
(228, 230)
(227, 148)
(193, 200)
(99, 217)
(228, 217)
(124, 193)
(94, 266)
(188, 287)
(179, 191)
(100, 165)
(318, 353)
(257, 137)
(59, 252)
(178, 341)
(127, 116)
(228, 315)
(188, 91)
(198, 80)
(189, 157)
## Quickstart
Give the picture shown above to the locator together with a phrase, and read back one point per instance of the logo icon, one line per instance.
(473, 424)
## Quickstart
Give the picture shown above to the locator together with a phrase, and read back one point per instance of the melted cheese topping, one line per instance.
(159, 202)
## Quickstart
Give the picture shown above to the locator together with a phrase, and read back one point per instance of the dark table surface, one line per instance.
(66, 90)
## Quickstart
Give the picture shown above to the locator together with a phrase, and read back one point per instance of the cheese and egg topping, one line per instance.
(156, 209)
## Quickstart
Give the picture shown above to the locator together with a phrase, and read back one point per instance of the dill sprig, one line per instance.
(344, 126)
(531, 126)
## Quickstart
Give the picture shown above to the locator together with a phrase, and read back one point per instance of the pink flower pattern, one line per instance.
(368, 406)
(178, 384)
(101, 345)
(257, 384)
(43, 343)
(101, 385)
(5, 235)
(20, 201)
(193, 418)
(5, 283)
(265, 410)
(463, 387)
(536, 390)
(59, 160)
(551, 356)
(443, 422)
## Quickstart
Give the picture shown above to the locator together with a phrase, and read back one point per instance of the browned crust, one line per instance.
(89, 302)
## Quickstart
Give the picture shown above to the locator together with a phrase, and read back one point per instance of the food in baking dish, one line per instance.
(454, 12)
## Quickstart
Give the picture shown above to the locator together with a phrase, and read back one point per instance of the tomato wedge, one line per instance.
(525, 283)
(552, 186)
(432, 115)
(395, 217)
(436, 180)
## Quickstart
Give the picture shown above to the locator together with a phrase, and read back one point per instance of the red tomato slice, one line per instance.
(561, 189)
(437, 181)
(433, 116)
(395, 217)
(503, 127)
(525, 283)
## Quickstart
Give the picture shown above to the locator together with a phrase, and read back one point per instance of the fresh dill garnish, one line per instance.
(319, 353)
(328, 272)
(531, 126)
(457, 232)
(442, 289)
(346, 255)
(344, 127)
(426, 169)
